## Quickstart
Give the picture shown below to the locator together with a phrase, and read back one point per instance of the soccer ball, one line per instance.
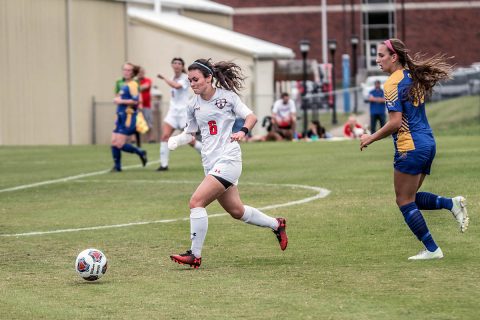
(91, 264)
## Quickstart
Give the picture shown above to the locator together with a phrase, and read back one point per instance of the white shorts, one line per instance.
(177, 120)
(229, 170)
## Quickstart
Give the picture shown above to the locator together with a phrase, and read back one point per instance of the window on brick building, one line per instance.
(378, 24)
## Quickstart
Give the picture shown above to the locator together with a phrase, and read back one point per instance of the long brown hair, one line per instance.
(425, 72)
(228, 75)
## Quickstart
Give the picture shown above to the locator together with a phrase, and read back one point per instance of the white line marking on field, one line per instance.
(321, 193)
(79, 176)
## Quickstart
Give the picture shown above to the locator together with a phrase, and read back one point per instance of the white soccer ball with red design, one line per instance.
(91, 264)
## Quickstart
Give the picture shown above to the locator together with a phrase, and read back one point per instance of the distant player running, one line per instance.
(213, 110)
(405, 90)
(176, 117)
(126, 100)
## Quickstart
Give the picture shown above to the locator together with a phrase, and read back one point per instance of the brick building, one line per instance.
(448, 26)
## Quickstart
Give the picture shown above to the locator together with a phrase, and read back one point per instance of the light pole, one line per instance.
(332, 47)
(304, 48)
(354, 40)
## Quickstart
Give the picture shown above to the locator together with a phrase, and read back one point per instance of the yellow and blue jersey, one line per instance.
(415, 131)
(126, 115)
(119, 84)
(128, 91)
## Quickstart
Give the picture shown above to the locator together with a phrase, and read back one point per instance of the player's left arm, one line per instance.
(250, 122)
(244, 112)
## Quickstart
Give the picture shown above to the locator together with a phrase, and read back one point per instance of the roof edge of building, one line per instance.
(203, 32)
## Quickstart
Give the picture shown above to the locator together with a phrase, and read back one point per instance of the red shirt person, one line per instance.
(352, 129)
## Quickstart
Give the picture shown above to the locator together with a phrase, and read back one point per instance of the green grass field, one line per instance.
(347, 254)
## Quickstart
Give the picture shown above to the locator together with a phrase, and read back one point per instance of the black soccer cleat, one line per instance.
(162, 168)
(115, 169)
(187, 258)
(143, 158)
(281, 233)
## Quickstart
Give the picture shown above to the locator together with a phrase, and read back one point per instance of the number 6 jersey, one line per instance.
(215, 120)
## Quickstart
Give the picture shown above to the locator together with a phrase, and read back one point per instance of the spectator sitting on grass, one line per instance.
(352, 129)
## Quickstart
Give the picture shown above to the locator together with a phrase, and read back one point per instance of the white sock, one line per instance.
(164, 152)
(258, 218)
(198, 146)
(198, 229)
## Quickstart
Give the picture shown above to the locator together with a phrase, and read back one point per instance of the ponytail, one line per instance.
(425, 72)
(228, 75)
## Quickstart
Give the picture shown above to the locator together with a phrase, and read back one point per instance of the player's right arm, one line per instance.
(188, 133)
(393, 124)
(395, 114)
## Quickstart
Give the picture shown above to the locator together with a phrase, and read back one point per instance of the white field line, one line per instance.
(79, 176)
(321, 193)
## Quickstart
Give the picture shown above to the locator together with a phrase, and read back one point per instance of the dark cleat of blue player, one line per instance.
(143, 158)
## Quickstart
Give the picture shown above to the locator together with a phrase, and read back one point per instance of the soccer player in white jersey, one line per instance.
(213, 111)
(176, 117)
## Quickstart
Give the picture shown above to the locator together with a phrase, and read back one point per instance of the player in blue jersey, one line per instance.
(127, 101)
(410, 81)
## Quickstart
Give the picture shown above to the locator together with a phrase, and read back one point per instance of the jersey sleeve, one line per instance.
(293, 108)
(239, 108)
(192, 125)
(133, 88)
(184, 82)
(371, 93)
(147, 82)
(118, 86)
(275, 107)
(392, 96)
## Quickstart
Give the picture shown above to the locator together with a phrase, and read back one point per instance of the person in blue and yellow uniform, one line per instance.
(410, 81)
(127, 101)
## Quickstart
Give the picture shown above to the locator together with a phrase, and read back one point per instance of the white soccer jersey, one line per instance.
(282, 110)
(179, 97)
(215, 120)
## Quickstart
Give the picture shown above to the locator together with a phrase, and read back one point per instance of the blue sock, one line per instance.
(117, 157)
(130, 149)
(430, 201)
(416, 223)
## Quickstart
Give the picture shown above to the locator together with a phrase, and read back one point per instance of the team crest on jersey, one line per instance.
(221, 103)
